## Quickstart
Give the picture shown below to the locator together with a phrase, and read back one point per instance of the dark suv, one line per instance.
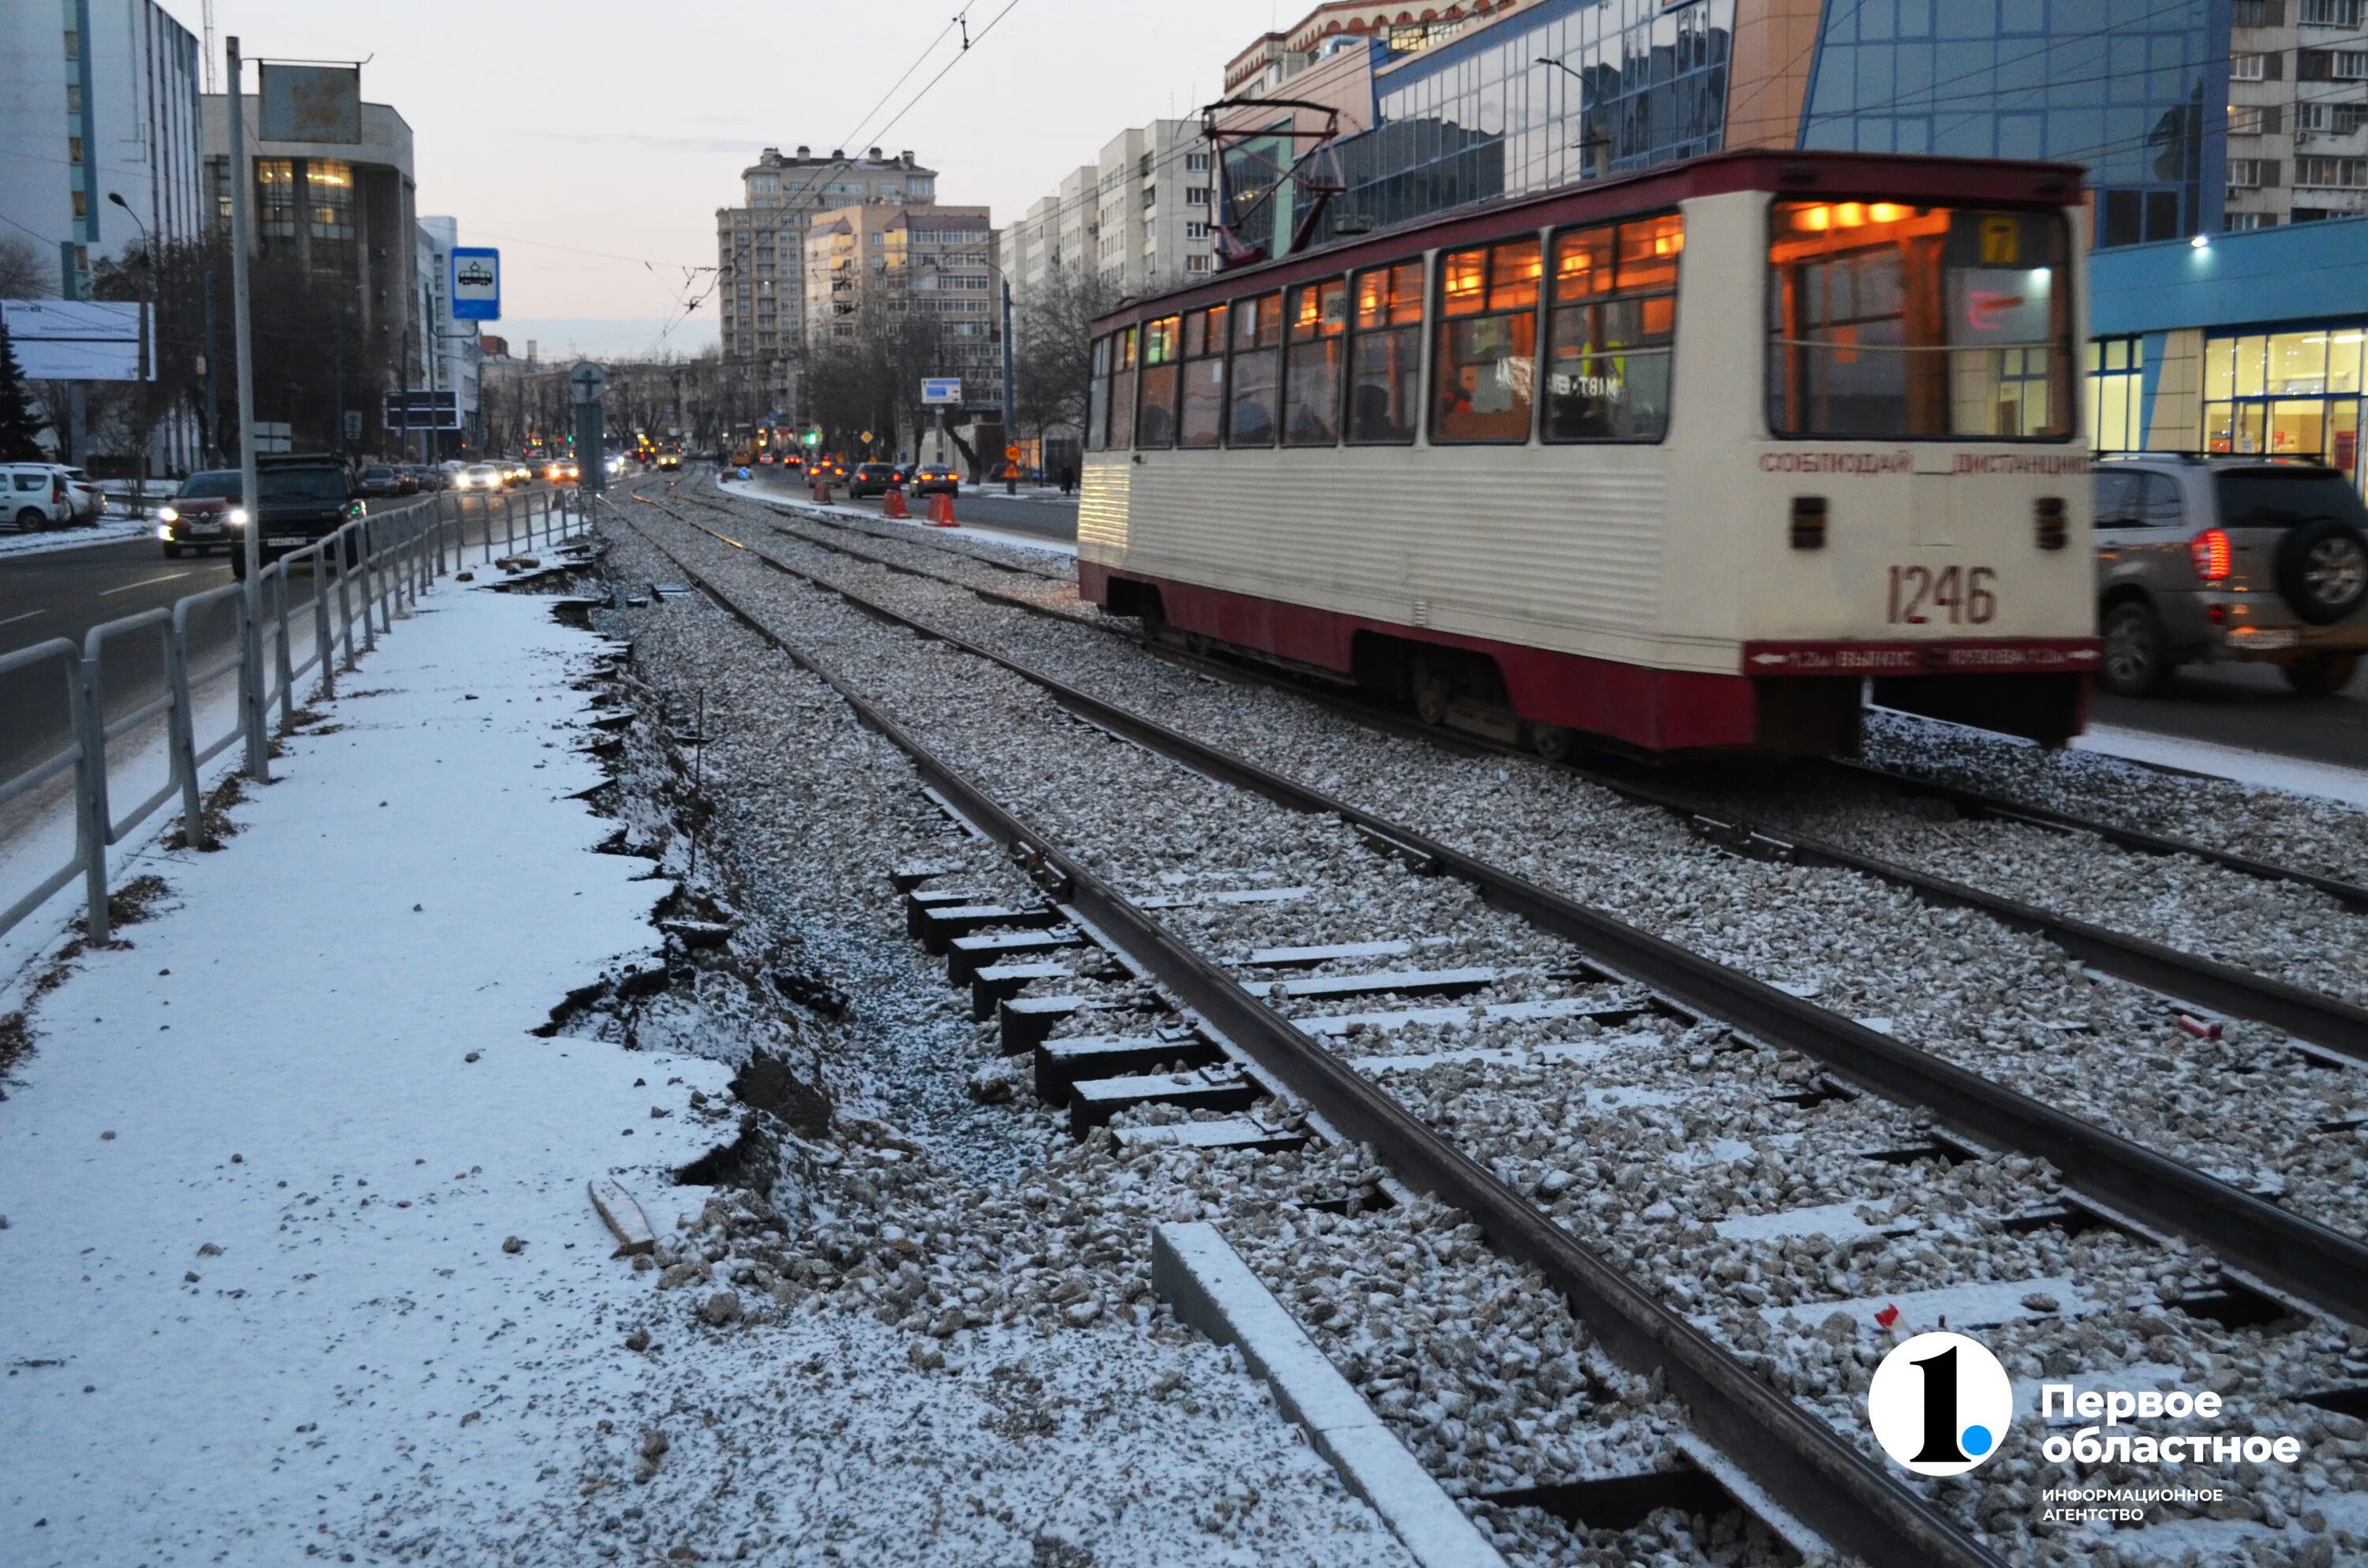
(301, 498)
(874, 479)
(2229, 558)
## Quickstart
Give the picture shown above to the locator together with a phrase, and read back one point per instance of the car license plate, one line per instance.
(293, 541)
(205, 528)
(2273, 637)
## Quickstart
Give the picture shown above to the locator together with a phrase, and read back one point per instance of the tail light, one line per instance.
(1808, 522)
(2210, 553)
(2047, 522)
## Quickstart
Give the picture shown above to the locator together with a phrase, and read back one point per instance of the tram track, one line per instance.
(2207, 985)
(1974, 804)
(1781, 1015)
(2318, 1264)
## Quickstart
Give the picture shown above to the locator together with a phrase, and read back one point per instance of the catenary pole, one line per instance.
(1010, 427)
(250, 679)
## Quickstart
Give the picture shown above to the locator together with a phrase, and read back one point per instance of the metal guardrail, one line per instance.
(363, 577)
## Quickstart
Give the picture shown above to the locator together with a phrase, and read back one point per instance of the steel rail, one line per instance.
(2322, 1020)
(1800, 1460)
(2291, 1256)
(1981, 804)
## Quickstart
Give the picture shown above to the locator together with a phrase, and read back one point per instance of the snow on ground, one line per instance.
(260, 1175)
(2266, 770)
(109, 531)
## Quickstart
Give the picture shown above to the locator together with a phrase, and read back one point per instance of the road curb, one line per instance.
(1198, 1275)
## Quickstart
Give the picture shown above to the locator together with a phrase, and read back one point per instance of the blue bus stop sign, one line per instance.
(476, 283)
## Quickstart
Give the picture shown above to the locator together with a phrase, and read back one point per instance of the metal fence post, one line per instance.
(181, 725)
(369, 591)
(324, 641)
(443, 505)
(287, 658)
(346, 537)
(510, 525)
(90, 797)
(253, 705)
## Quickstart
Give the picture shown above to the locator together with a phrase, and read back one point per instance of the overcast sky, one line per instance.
(619, 127)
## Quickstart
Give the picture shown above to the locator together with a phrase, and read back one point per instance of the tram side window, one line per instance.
(1608, 334)
(1487, 362)
(1888, 319)
(1098, 405)
(1257, 337)
(1122, 398)
(1310, 372)
(1155, 419)
(1202, 421)
(1385, 356)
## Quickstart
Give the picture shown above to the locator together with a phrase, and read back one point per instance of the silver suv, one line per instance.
(2229, 558)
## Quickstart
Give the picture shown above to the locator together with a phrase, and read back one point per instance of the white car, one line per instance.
(479, 476)
(90, 500)
(36, 495)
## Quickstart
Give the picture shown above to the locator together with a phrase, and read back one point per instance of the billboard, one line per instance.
(311, 103)
(76, 340)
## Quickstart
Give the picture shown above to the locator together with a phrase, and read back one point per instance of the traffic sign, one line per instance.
(588, 380)
(476, 283)
(1012, 454)
(942, 389)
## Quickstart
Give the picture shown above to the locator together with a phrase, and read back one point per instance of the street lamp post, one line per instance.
(154, 302)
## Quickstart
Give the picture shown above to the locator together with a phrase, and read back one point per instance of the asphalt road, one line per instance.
(2250, 706)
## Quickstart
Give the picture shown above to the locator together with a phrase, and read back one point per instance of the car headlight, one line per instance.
(236, 517)
(167, 514)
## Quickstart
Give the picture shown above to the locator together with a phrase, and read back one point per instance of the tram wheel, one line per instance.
(1552, 742)
(1432, 690)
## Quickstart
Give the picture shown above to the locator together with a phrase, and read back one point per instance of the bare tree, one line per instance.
(1053, 366)
(24, 273)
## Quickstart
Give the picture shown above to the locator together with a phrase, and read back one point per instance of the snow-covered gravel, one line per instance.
(992, 1250)
(2005, 1004)
(2283, 829)
(1645, 1179)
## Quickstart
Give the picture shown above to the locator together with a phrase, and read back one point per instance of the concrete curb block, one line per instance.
(1198, 1275)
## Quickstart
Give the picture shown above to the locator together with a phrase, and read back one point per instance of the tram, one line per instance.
(1693, 461)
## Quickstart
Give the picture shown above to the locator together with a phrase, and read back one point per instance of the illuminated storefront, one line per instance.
(2253, 345)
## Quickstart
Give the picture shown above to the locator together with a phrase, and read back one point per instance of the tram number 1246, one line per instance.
(1921, 596)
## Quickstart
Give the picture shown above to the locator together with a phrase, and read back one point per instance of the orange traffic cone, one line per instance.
(941, 512)
(822, 492)
(893, 505)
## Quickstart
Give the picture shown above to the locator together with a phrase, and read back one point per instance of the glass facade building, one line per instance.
(2135, 91)
(1635, 83)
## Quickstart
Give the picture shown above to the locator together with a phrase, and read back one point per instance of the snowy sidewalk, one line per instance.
(258, 1171)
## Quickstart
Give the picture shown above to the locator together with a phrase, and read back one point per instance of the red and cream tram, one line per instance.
(1682, 460)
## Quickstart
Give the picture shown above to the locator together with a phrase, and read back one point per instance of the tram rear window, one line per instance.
(1904, 321)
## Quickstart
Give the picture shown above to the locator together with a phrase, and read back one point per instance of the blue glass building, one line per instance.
(2135, 91)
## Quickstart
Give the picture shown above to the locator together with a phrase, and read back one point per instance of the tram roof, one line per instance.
(1838, 175)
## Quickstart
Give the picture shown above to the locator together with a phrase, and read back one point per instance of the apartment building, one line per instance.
(97, 98)
(872, 262)
(2297, 112)
(761, 248)
(1141, 216)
